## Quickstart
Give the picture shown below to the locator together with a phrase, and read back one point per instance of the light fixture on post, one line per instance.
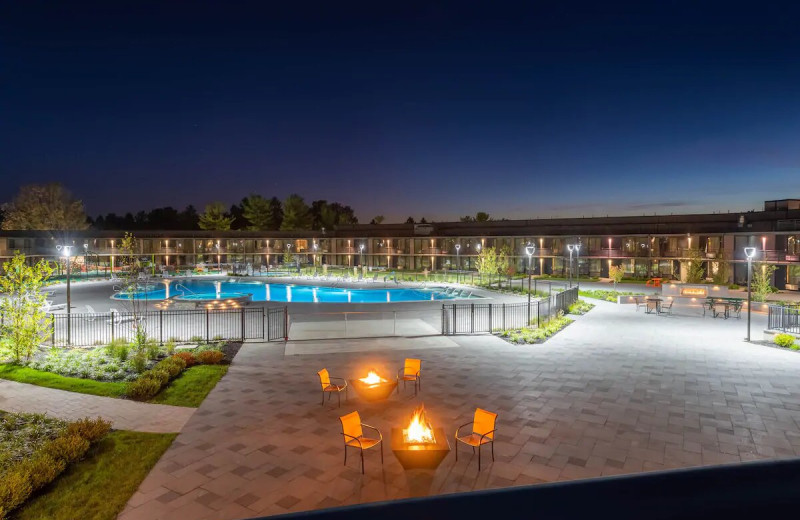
(529, 250)
(219, 259)
(361, 247)
(570, 248)
(749, 252)
(578, 261)
(458, 262)
(65, 252)
(315, 257)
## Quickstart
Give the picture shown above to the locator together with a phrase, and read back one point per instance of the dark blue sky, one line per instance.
(428, 109)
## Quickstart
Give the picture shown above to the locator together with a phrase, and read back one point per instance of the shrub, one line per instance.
(169, 347)
(90, 429)
(173, 365)
(734, 287)
(784, 340)
(119, 348)
(196, 339)
(42, 469)
(158, 374)
(143, 388)
(152, 350)
(188, 357)
(139, 362)
(69, 448)
(210, 357)
(795, 347)
(15, 488)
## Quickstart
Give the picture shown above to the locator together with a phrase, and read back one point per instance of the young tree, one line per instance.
(762, 281)
(256, 210)
(410, 220)
(215, 218)
(504, 261)
(25, 324)
(487, 261)
(296, 214)
(482, 216)
(378, 219)
(45, 206)
(695, 270)
(723, 274)
(616, 273)
(132, 272)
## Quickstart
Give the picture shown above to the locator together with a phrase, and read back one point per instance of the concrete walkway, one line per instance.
(123, 414)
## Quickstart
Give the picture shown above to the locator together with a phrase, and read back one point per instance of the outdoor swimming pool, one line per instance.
(202, 290)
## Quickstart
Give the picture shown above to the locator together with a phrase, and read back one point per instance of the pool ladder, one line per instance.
(181, 286)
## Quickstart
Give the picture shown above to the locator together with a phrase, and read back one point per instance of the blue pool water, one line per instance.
(261, 291)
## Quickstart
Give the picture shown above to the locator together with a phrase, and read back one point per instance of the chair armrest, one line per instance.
(339, 379)
(352, 437)
(380, 436)
(465, 424)
(487, 433)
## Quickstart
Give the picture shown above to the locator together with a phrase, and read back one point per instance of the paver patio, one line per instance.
(123, 414)
(616, 392)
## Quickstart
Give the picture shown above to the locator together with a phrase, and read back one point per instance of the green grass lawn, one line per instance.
(191, 387)
(72, 384)
(98, 487)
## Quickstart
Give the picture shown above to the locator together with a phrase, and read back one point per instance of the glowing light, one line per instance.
(419, 429)
(373, 378)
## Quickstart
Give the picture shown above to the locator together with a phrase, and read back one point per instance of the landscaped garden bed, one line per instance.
(185, 376)
(35, 450)
(530, 335)
(606, 295)
(580, 307)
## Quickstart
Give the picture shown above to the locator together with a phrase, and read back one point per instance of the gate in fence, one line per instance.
(479, 318)
(181, 326)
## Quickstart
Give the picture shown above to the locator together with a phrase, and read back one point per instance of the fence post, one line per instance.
(112, 327)
(538, 313)
(472, 318)
(243, 331)
(262, 322)
(161, 327)
(504, 316)
(208, 336)
(491, 310)
(455, 323)
(286, 323)
(53, 337)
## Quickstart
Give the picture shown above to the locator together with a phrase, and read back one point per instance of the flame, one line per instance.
(419, 430)
(372, 378)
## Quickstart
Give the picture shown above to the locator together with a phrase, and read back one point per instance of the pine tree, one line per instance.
(215, 218)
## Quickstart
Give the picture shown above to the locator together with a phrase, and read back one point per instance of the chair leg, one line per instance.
(479, 457)
(345, 454)
(492, 451)
(381, 454)
(362, 462)
(339, 397)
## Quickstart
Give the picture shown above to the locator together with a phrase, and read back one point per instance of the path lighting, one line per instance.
(749, 252)
(219, 259)
(458, 262)
(529, 250)
(314, 245)
(578, 261)
(66, 253)
(361, 247)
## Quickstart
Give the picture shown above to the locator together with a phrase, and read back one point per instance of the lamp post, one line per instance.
(65, 252)
(361, 249)
(570, 248)
(749, 252)
(315, 258)
(458, 262)
(529, 249)
(578, 261)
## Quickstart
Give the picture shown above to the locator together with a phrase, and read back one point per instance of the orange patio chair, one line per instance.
(483, 428)
(329, 387)
(411, 371)
(353, 434)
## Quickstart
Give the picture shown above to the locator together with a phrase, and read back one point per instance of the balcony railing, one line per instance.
(432, 251)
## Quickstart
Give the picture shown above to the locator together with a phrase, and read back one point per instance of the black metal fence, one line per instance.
(784, 319)
(476, 318)
(181, 326)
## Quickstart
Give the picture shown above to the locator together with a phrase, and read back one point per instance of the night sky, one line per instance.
(427, 109)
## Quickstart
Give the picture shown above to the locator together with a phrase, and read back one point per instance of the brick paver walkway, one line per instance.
(123, 414)
(616, 392)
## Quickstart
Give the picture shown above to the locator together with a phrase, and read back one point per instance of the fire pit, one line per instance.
(373, 387)
(420, 445)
